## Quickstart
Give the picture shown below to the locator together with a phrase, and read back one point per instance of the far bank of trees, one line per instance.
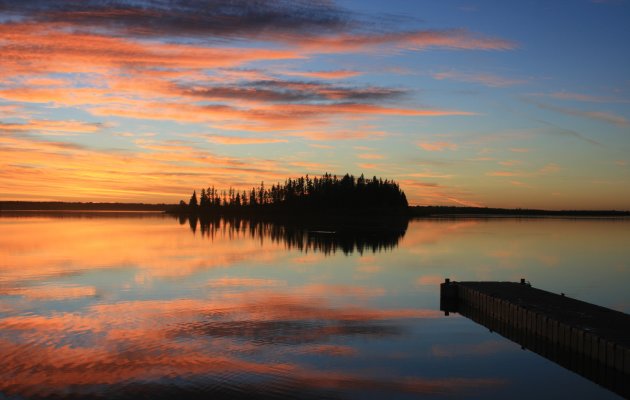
(301, 195)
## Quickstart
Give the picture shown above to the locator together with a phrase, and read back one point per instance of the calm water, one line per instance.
(125, 307)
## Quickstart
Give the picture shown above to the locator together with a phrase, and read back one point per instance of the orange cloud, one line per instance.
(49, 292)
(47, 47)
(438, 146)
(337, 134)
(415, 40)
(43, 170)
(425, 193)
(78, 60)
(367, 165)
(234, 140)
(245, 282)
(50, 127)
(370, 156)
(429, 175)
(550, 168)
(503, 173)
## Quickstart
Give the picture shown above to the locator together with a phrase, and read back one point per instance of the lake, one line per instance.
(116, 305)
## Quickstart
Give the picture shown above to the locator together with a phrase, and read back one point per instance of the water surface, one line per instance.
(119, 306)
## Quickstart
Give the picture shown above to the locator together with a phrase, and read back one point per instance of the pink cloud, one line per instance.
(367, 165)
(236, 140)
(244, 282)
(336, 74)
(415, 40)
(370, 156)
(52, 127)
(438, 146)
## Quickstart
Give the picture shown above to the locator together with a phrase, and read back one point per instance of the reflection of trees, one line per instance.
(320, 236)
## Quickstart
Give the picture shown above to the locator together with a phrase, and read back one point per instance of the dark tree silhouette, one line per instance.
(192, 204)
(325, 194)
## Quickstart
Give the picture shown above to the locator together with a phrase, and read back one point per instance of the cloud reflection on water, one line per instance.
(226, 342)
(113, 308)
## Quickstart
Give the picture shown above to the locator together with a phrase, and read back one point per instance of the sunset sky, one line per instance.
(468, 102)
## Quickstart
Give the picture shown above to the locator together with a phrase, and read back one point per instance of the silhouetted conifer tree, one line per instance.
(193, 204)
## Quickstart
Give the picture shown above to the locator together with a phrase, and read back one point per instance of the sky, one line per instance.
(468, 103)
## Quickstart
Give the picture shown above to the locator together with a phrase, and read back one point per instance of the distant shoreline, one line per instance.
(413, 211)
(449, 211)
(80, 206)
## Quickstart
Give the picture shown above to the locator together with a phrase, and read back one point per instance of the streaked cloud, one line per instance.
(244, 282)
(368, 166)
(292, 92)
(603, 116)
(238, 140)
(396, 41)
(486, 79)
(547, 169)
(33, 169)
(585, 97)
(238, 19)
(370, 156)
(438, 146)
(52, 127)
(554, 129)
(336, 74)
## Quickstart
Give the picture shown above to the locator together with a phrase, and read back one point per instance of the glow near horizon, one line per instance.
(463, 103)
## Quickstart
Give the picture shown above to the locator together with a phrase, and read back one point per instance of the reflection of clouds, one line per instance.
(51, 292)
(368, 269)
(517, 243)
(311, 258)
(246, 331)
(244, 282)
(367, 266)
(448, 386)
(56, 370)
(429, 280)
(428, 237)
(326, 290)
(45, 248)
(517, 253)
(129, 344)
(330, 350)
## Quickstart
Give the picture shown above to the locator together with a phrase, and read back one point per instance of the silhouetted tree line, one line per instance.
(325, 239)
(303, 194)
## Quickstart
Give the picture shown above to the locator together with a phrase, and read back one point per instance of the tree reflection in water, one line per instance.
(326, 236)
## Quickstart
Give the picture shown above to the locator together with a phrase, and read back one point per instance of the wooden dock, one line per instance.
(588, 339)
